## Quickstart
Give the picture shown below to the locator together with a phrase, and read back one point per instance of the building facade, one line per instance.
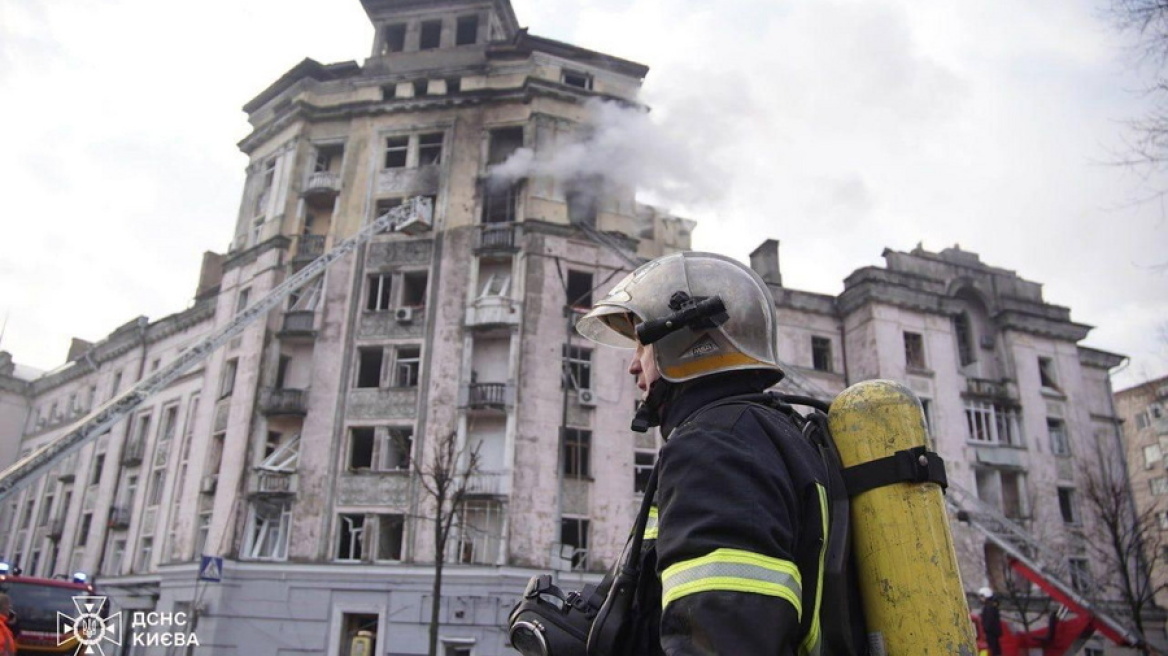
(1144, 411)
(294, 453)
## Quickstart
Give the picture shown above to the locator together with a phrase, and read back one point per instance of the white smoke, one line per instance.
(625, 148)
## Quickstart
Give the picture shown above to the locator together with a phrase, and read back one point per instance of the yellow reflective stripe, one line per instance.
(709, 363)
(651, 524)
(733, 570)
(812, 643)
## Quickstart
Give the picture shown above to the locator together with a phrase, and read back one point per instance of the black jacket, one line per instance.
(732, 566)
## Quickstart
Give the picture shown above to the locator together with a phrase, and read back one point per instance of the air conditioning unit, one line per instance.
(207, 485)
(404, 315)
(586, 398)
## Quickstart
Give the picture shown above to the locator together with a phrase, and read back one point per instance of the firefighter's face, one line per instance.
(643, 367)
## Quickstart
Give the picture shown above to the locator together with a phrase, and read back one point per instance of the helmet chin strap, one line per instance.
(649, 411)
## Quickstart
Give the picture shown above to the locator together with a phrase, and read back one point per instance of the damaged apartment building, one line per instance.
(293, 451)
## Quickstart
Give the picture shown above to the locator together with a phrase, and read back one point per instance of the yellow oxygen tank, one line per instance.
(914, 603)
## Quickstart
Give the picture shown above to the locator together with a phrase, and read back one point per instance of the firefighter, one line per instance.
(733, 564)
(991, 621)
(7, 641)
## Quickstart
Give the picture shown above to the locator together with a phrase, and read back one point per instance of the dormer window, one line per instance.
(431, 37)
(467, 32)
(577, 79)
(395, 37)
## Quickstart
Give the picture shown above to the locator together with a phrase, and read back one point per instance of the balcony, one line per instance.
(489, 483)
(132, 454)
(119, 517)
(993, 389)
(283, 402)
(497, 238)
(57, 528)
(487, 395)
(298, 325)
(322, 187)
(264, 482)
(493, 311)
(308, 248)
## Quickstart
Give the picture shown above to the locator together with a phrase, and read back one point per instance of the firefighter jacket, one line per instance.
(733, 551)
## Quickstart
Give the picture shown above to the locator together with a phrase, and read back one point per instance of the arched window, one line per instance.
(963, 331)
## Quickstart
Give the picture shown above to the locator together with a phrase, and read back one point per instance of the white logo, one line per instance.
(89, 627)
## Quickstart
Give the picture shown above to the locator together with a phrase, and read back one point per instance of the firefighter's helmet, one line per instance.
(745, 340)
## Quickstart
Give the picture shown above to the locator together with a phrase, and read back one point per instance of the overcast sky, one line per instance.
(840, 128)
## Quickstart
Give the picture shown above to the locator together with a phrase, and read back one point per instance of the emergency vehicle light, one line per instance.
(80, 577)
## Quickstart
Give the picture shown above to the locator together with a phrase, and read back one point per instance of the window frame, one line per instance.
(822, 356)
(577, 452)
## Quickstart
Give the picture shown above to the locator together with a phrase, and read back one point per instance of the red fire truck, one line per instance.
(36, 602)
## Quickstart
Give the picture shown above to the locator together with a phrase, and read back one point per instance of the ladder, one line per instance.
(1024, 548)
(412, 217)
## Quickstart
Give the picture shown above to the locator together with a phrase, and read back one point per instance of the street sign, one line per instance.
(211, 569)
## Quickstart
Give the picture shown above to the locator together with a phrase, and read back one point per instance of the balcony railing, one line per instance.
(300, 323)
(282, 401)
(487, 395)
(266, 482)
(132, 454)
(997, 389)
(119, 517)
(488, 483)
(496, 237)
(323, 183)
(56, 528)
(308, 248)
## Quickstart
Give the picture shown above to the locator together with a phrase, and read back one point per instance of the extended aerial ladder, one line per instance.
(412, 217)
(1025, 555)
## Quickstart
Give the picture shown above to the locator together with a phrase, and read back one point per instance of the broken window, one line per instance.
(1158, 486)
(396, 151)
(914, 351)
(369, 362)
(377, 298)
(389, 92)
(500, 201)
(503, 143)
(414, 289)
(992, 423)
(83, 531)
(1060, 444)
(431, 37)
(409, 364)
(821, 354)
(497, 284)
(580, 289)
(1080, 574)
(351, 537)
(467, 30)
(269, 527)
(361, 448)
(574, 541)
(1046, 374)
(390, 536)
(267, 179)
(963, 332)
(395, 37)
(98, 465)
(577, 448)
(453, 85)
(421, 87)
(480, 532)
(281, 456)
(430, 149)
(582, 195)
(577, 367)
(577, 79)
(1066, 499)
(397, 450)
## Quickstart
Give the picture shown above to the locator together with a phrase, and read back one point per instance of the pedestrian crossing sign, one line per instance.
(211, 569)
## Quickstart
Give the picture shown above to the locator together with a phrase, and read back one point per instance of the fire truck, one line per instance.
(38, 605)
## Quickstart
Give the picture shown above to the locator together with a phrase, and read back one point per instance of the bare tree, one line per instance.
(446, 477)
(1147, 22)
(1127, 542)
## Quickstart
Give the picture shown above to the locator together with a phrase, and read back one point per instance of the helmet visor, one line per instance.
(610, 325)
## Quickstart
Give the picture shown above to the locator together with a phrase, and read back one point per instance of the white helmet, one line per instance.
(985, 593)
(660, 288)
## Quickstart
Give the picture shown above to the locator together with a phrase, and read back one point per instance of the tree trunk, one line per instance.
(436, 593)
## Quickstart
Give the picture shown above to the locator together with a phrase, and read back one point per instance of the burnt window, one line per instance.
(408, 364)
(389, 92)
(395, 37)
(580, 289)
(503, 143)
(351, 537)
(577, 79)
(914, 350)
(577, 452)
(577, 367)
(500, 201)
(360, 448)
(431, 37)
(1046, 374)
(583, 198)
(574, 539)
(378, 293)
(963, 332)
(390, 534)
(1066, 499)
(467, 32)
(453, 84)
(369, 361)
(430, 149)
(414, 289)
(421, 87)
(396, 150)
(821, 354)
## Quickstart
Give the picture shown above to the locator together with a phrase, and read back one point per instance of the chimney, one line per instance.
(210, 275)
(765, 262)
(77, 348)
